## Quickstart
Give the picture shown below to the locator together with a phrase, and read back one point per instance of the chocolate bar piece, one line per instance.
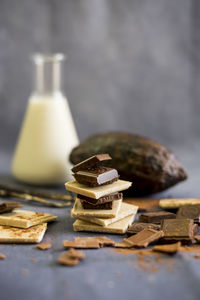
(178, 229)
(96, 176)
(101, 200)
(90, 162)
(169, 248)
(89, 242)
(9, 206)
(144, 237)
(86, 205)
(137, 227)
(189, 212)
(156, 217)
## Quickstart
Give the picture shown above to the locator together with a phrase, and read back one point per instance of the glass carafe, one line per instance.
(48, 133)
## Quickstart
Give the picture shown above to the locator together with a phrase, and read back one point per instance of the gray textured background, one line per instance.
(132, 65)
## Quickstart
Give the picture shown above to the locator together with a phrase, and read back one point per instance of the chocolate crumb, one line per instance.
(2, 256)
(44, 246)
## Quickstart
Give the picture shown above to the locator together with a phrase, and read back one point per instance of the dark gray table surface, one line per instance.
(105, 273)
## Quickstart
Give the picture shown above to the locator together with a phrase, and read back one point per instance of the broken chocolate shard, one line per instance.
(86, 205)
(96, 176)
(9, 206)
(177, 229)
(67, 260)
(90, 162)
(189, 212)
(144, 237)
(76, 254)
(156, 217)
(169, 248)
(101, 200)
(139, 226)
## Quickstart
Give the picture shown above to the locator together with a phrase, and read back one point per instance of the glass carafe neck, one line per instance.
(48, 73)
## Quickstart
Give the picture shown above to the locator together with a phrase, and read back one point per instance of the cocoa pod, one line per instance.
(150, 166)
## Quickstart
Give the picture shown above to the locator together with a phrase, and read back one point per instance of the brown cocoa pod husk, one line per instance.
(149, 165)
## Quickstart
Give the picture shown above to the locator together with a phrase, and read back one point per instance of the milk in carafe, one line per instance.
(48, 133)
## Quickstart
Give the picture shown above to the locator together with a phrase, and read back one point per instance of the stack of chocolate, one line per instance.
(99, 205)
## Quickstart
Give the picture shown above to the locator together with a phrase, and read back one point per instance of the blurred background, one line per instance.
(133, 65)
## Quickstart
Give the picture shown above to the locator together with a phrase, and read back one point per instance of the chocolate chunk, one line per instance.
(189, 212)
(90, 162)
(144, 237)
(177, 229)
(169, 248)
(9, 206)
(86, 205)
(44, 246)
(67, 260)
(137, 227)
(96, 176)
(76, 254)
(156, 217)
(104, 199)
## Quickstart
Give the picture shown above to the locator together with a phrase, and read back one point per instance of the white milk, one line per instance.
(45, 142)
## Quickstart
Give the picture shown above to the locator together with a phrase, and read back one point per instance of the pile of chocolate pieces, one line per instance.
(167, 229)
(98, 206)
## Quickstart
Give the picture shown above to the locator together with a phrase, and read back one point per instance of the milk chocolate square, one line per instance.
(156, 216)
(177, 229)
(189, 212)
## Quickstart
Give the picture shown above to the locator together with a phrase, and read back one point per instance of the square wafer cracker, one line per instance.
(25, 218)
(78, 210)
(33, 234)
(125, 211)
(118, 227)
(99, 191)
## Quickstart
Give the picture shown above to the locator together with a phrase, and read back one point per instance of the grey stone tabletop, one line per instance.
(29, 273)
